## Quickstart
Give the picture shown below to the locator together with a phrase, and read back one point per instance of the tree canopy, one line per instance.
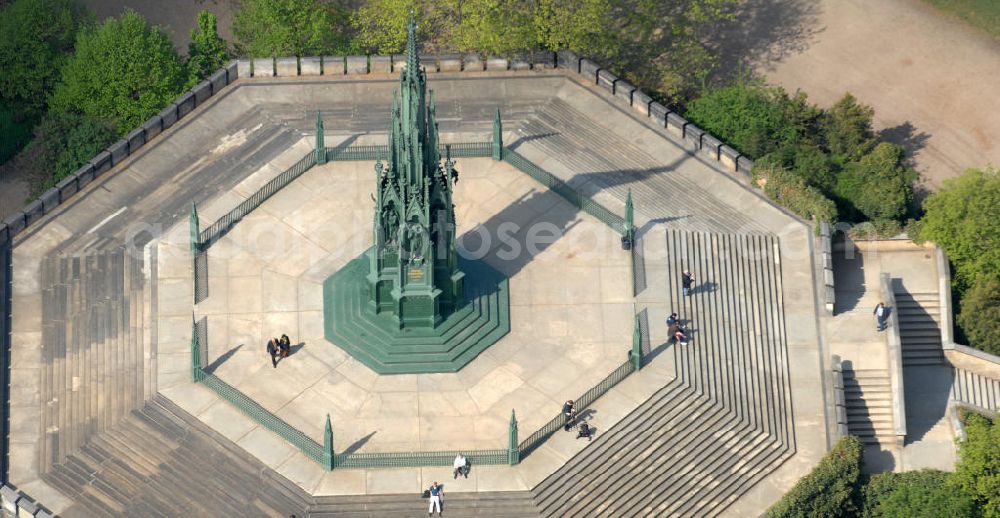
(63, 142)
(963, 217)
(924, 493)
(207, 51)
(36, 37)
(123, 71)
(829, 489)
(269, 28)
(980, 314)
(977, 471)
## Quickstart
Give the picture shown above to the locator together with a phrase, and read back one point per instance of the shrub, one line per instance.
(750, 116)
(914, 494)
(15, 131)
(963, 217)
(878, 185)
(792, 192)
(829, 488)
(63, 142)
(806, 161)
(980, 314)
(123, 72)
(877, 229)
(977, 471)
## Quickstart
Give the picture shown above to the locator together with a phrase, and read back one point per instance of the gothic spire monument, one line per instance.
(410, 303)
(414, 275)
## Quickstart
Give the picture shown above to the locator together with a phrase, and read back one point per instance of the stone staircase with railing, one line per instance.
(723, 423)
(919, 327)
(975, 389)
(868, 401)
(94, 353)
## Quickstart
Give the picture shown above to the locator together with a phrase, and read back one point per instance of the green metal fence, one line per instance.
(582, 403)
(218, 229)
(418, 459)
(563, 189)
(381, 151)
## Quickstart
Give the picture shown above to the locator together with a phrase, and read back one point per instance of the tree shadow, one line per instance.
(762, 33)
(210, 368)
(906, 136)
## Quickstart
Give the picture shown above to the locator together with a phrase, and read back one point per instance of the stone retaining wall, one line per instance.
(18, 504)
(959, 355)
(826, 255)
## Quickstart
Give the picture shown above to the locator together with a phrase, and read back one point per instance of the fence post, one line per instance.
(497, 137)
(320, 140)
(195, 230)
(636, 355)
(197, 374)
(513, 454)
(328, 445)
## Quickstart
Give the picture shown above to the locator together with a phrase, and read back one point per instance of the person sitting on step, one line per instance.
(585, 431)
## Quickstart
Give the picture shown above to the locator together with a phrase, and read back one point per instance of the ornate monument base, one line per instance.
(378, 341)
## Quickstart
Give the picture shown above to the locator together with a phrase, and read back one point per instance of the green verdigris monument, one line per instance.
(411, 304)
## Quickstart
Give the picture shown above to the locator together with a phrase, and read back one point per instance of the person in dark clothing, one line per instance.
(687, 280)
(673, 320)
(272, 349)
(678, 334)
(285, 344)
(569, 413)
(585, 431)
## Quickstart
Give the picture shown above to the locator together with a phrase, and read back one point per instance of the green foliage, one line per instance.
(847, 128)
(381, 25)
(498, 27)
(15, 131)
(123, 72)
(914, 494)
(792, 192)
(828, 490)
(584, 26)
(207, 51)
(877, 229)
(963, 217)
(36, 37)
(752, 117)
(665, 43)
(978, 469)
(268, 28)
(878, 185)
(980, 314)
(63, 142)
(807, 161)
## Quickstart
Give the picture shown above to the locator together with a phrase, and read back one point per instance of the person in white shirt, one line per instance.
(461, 466)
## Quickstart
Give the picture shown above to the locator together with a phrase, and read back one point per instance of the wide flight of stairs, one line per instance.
(93, 353)
(723, 424)
(868, 400)
(919, 327)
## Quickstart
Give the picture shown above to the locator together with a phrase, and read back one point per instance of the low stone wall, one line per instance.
(826, 256)
(18, 504)
(685, 133)
(839, 401)
(895, 350)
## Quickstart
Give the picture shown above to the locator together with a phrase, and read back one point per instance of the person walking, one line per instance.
(881, 313)
(272, 349)
(569, 413)
(436, 492)
(285, 345)
(687, 280)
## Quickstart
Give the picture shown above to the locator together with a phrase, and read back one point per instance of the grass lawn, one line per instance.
(982, 14)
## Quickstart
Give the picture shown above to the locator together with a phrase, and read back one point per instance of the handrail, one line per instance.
(895, 350)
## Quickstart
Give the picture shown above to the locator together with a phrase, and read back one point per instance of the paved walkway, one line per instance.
(930, 78)
(851, 334)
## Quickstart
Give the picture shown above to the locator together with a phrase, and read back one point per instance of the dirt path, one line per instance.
(931, 79)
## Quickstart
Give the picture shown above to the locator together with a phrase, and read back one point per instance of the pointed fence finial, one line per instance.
(636, 355)
(320, 140)
(497, 137)
(328, 445)
(195, 230)
(513, 452)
